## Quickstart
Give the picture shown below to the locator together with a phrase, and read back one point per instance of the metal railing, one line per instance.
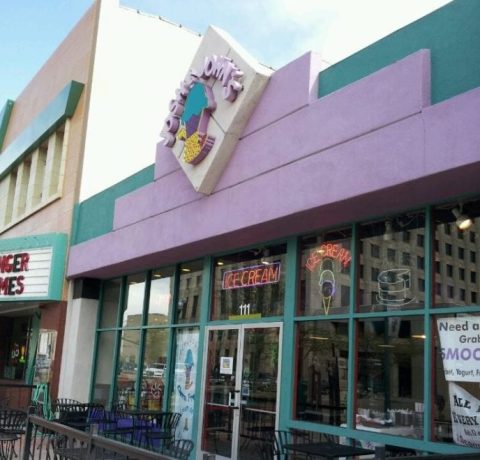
(47, 440)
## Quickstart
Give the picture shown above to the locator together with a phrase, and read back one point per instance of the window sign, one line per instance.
(465, 411)
(325, 282)
(257, 275)
(226, 365)
(250, 284)
(184, 380)
(460, 348)
(391, 264)
(394, 288)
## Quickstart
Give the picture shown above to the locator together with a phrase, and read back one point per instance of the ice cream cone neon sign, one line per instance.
(326, 256)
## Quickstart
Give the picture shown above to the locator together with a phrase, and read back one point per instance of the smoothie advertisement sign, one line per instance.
(460, 352)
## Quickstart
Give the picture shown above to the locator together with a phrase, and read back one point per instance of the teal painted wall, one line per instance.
(452, 33)
(41, 127)
(94, 217)
(4, 119)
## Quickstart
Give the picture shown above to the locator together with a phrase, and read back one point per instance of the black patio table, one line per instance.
(327, 449)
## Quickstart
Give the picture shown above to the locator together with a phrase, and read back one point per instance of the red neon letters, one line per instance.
(251, 276)
(333, 251)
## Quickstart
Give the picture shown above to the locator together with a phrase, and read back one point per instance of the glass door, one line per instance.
(241, 387)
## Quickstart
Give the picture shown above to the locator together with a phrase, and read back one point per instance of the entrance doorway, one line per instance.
(240, 403)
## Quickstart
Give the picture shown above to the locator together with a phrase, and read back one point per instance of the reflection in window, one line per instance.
(393, 284)
(154, 369)
(189, 292)
(325, 282)
(161, 295)
(104, 367)
(390, 375)
(460, 270)
(250, 283)
(127, 367)
(132, 314)
(111, 300)
(16, 334)
(322, 359)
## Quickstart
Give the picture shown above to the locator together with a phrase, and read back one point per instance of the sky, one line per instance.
(274, 31)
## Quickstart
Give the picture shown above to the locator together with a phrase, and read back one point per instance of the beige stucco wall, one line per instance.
(71, 61)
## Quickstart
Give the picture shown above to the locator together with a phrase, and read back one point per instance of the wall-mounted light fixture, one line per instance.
(388, 235)
(263, 260)
(462, 221)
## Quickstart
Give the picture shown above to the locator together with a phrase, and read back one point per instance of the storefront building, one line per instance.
(307, 257)
(52, 151)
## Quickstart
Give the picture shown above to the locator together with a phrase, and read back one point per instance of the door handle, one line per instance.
(232, 399)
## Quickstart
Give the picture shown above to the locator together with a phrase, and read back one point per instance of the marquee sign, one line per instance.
(25, 273)
(211, 107)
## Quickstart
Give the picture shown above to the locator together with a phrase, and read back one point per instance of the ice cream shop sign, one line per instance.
(190, 111)
(25, 273)
(211, 107)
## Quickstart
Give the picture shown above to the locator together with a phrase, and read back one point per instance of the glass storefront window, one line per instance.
(17, 335)
(111, 302)
(132, 314)
(45, 359)
(127, 367)
(456, 395)
(104, 367)
(392, 264)
(189, 292)
(250, 284)
(154, 368)
(325, 274)
(321, 367)
(457, 263)
(390, 376)
(161, 296)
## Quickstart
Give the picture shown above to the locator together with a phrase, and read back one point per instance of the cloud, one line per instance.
(334, 28)
(277, 31)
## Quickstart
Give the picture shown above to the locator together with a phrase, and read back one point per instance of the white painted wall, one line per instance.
(77, 354)
(139, 62)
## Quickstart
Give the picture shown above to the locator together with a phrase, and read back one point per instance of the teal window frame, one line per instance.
(290, 319)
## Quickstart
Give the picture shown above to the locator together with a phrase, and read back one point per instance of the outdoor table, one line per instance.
(7, 445)
(327, 449)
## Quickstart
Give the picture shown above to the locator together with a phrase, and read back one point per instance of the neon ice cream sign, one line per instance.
(257, 275)
(330, 250)
(324, 256)
(194, 104)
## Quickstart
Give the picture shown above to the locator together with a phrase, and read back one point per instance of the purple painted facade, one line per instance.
(372, 148)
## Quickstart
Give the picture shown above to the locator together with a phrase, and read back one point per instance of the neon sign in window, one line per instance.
(331, 251)
(257, 275)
